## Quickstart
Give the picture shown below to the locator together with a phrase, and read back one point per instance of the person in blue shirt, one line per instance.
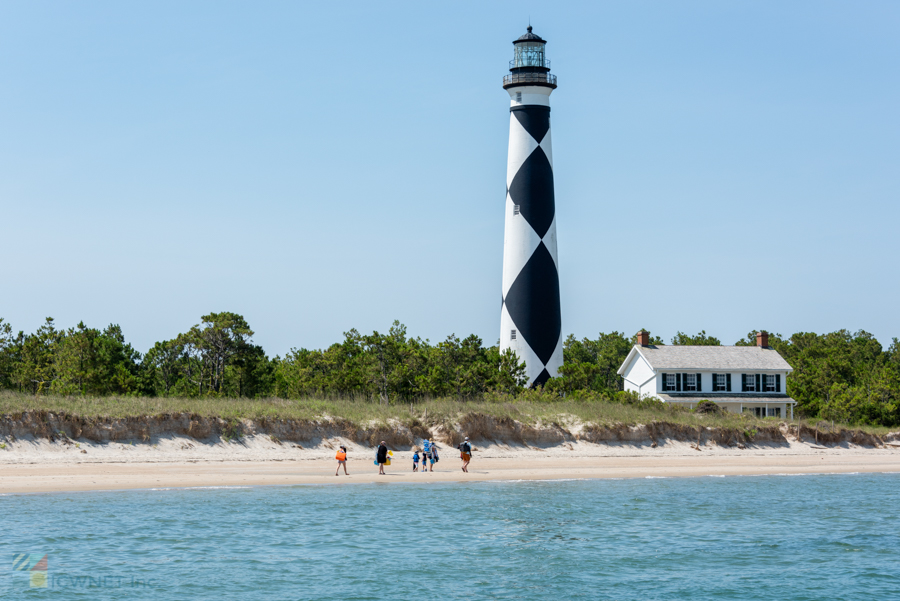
(416, 461)
(426, 454)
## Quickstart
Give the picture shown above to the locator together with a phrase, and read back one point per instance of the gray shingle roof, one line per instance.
(713, 357)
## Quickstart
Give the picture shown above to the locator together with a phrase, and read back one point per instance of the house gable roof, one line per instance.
(726, 358)
(632, 355)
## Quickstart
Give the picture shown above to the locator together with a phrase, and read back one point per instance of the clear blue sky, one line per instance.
(323, 166)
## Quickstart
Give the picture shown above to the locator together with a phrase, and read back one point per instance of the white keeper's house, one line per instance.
(739, 378)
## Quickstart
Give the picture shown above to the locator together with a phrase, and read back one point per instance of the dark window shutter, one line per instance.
(715, 386)
(728, 382)
(743, 382)
(664, 386)
(777, 382)
(677, 382)
(758, 389)
(699, 383)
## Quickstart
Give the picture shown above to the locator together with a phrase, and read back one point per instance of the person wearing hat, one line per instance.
(381, 457)
(465, 453)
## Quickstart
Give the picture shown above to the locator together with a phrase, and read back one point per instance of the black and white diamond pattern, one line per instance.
(530, 268)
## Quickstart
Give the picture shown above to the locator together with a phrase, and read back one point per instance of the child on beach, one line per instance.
(342, 460)
(416, 461)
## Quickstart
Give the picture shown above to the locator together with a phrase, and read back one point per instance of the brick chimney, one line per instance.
(762, 339)
(643, 338)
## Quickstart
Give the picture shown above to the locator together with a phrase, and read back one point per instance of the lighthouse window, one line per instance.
(512, 334)
(530, 54)
(516, 210)
(518, 96)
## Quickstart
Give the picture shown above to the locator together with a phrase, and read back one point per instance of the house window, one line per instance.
(749, 382)
(767, 411)
(690, 381)
(670, 382)
(720, 383)
(512, 334)
(516, 210)
(760, 383)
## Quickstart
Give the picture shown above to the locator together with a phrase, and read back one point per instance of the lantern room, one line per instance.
(529, 66)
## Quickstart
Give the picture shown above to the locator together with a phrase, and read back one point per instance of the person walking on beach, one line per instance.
(434, 454)
(381, 457)
(416, 460)
(465, 453)
(426, 454)
(341, 459)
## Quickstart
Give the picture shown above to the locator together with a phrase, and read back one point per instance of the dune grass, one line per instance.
(359, 411)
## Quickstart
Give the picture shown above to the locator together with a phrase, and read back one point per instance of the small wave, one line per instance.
(199, 487)
(716, 476)
(543, 480)
(212, 487)
(656, 477)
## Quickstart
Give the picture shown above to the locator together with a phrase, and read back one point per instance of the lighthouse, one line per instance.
(530, 320)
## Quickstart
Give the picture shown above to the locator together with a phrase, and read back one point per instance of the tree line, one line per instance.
(217, 357)
(841, 375)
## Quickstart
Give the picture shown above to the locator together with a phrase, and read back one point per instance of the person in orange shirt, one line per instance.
(342, 460)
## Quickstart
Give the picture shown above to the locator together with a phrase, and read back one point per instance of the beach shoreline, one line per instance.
(127, 469)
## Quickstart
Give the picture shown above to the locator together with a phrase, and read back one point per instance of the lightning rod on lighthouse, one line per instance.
(530, 320)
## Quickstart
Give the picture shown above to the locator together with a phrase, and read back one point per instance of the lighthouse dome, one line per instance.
(530, 37)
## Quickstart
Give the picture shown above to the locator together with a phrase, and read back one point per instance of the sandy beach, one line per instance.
(42, 466)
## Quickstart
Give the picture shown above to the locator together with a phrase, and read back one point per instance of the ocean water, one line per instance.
(771, 537)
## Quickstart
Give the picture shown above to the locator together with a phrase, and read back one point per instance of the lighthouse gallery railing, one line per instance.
(538, 78)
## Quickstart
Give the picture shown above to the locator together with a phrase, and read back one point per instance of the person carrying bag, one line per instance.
(342, 460)
(465, 453)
